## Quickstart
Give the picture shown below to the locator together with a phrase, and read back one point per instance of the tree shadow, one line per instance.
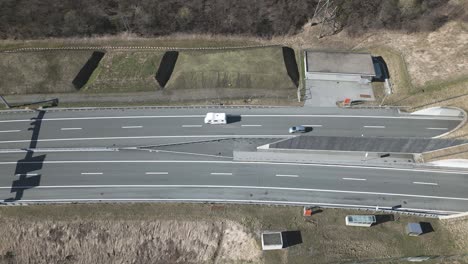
(289, 58)
(25, 167)
(291, 238)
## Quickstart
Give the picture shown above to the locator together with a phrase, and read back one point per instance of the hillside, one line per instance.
(33, 19)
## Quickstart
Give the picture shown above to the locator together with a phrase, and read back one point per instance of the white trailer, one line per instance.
(216, 118)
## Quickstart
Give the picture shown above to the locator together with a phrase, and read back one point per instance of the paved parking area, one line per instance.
(326, 93)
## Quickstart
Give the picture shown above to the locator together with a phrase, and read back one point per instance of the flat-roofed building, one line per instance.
(339, 66)
(272, 240)
(331, 77)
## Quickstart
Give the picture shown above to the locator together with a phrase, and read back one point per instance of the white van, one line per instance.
(216, 118)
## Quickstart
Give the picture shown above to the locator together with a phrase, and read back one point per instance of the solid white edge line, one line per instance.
(156, 173)
(142, 137)
(190, 153)
(5, 151)
(354, 179)
(191, 125)
(70, 128)
(286, 175)
(426, 183)
(190, 116)
(91, 173)
(437, 128)
(10, 131)
(232, 201)
(221, 173)
(237, 187)
(232, 162)
(374, 126)
(95, 118)
(132, 126)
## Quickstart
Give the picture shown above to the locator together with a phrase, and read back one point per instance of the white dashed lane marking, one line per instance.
(71, 128)
(286, 175)
(426, 183)
(10, 131)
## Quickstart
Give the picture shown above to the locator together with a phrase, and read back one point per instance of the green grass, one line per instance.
(259, 68)
(440, 85)
(121, 71)
(240, 76)
(40, 72)
(396, 63)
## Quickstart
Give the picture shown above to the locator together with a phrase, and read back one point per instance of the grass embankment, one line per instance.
(441, 92)
(208, 76)
(40, 72)
(243, 70)
(202, 233)
(126, 71)
(444, 92)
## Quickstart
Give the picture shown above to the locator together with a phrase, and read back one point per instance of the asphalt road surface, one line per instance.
(75, 176)
(130, 128)
(99, 174)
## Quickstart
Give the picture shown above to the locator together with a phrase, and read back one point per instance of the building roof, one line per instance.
(377, 144)
(339, 62)
(272, 238)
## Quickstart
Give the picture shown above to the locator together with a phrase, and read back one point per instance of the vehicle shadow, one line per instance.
(29, 164)
(233, 119)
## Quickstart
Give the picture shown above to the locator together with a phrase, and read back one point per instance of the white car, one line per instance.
(216, 118)
(297, 129)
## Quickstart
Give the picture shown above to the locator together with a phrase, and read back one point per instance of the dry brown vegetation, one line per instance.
(196, 233)
(26, 19)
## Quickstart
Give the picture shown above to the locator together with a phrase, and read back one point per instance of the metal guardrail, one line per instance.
(376, 107)
(214, 201)
(138, 48)
(75, 109)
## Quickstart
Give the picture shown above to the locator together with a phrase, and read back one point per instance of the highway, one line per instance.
(102, 170)
(111, 175)
(104, 129)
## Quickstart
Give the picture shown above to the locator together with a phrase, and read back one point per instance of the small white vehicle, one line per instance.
(216, 118)
(297, 129)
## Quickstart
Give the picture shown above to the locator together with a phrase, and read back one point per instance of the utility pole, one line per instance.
(4, 101)
(325, 15)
